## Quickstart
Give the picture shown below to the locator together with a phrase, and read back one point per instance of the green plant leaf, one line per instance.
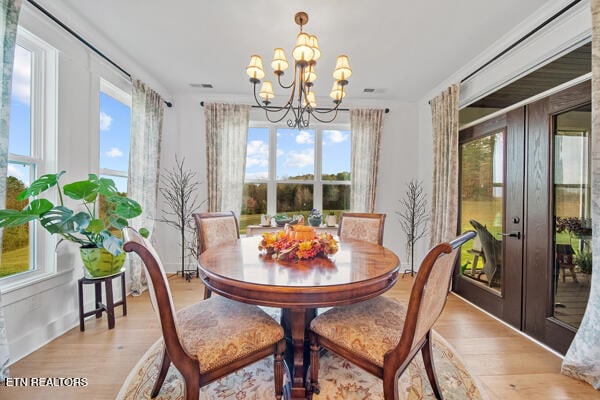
(61, 220)
(95, 226)
(106, 186)
(9, 218)
(125, 207)
(111, 243)
(82, 190)
(118, 222)
(40, 185)
(144, 232)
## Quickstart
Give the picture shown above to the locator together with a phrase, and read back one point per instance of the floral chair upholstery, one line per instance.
(213, 229)
(362, 226)
(210, 339)
(382, 335)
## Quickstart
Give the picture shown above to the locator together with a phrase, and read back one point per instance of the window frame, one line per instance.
(43, 157)
(317, 182)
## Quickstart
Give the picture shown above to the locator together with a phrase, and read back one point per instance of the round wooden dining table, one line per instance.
(357, 272)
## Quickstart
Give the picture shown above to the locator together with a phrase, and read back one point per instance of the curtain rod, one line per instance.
(85, 42)
(525, 37)
(386, 110)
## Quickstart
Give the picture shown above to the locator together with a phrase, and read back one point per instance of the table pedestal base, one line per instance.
(296, 322)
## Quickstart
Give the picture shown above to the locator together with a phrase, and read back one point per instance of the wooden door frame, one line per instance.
(507, 305)
(538, 286)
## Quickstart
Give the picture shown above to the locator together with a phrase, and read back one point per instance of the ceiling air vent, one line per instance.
(201, 85)
(368, 90)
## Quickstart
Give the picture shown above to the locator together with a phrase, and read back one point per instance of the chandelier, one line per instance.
(301, 103)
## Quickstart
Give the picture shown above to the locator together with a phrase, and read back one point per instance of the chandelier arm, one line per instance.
(269, 107)
(326, 110)
(327, 121)
(286, 86)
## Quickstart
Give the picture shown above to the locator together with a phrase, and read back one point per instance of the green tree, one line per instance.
(15, 237)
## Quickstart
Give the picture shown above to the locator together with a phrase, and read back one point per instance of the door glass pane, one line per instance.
(572, 214)
(481, 208)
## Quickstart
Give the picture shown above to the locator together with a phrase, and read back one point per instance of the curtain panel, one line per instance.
(444, 196)
(582, 360)
(147, 111)
(9, 17)
(226, 138)
(366, 127)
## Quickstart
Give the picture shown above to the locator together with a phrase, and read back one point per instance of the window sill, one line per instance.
(18, 291)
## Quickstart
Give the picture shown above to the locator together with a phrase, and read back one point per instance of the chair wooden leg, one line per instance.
(427, 353)
(192, 385)
(279, 368)
(164, 367)
(207, 292)
(313, 382)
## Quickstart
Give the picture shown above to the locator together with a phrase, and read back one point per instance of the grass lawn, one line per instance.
(14, 261)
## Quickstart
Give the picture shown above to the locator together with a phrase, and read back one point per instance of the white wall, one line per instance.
(39, 312)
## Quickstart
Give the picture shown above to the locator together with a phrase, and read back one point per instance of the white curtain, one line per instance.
(226, 137)
(582, 360)
(9, 17)
(144, 163)
(444, 197)
(366, 127)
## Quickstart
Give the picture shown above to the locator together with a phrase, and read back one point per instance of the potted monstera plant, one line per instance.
(95, 225)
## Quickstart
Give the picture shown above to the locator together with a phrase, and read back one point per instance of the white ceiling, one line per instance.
(401, 48)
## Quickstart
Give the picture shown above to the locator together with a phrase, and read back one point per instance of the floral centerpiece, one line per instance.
(298, 242)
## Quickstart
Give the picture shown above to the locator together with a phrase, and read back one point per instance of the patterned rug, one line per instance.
(339, 379)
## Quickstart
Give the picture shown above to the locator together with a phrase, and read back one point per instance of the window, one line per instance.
(293, 171)
(115, 118)
(27, 251)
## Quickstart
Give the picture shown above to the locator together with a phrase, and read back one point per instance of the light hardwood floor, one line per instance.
(508, 365)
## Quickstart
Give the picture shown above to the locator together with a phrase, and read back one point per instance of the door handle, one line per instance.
(512, 234)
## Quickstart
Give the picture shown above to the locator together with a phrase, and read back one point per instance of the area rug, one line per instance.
(339, 379)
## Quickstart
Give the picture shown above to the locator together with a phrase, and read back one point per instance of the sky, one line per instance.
(295, 152)
(114, 125)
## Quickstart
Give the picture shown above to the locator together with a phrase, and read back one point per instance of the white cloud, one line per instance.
(12, 170)
(257, 175)
(280, 152)
(21, 84)
(105, 121)
(305, 137)
(300, 159)
(257, 154)
(254, 161)
(114, 153)
(337, 136)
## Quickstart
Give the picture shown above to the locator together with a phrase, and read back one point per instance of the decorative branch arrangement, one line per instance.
(179, 187)
(413, 218)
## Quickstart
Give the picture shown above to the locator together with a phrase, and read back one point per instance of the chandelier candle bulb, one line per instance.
(266, 91)
(309, 74)
(303, 52)
(342, 70)
(337, 92)
(314, 44)
(255, 68)
(279, 63)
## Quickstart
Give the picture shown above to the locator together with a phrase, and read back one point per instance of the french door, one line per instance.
(525, 189)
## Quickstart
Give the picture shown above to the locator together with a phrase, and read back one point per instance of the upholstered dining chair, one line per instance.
(382, 335)
(362, 226)
(214, 228)
(210, 339)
